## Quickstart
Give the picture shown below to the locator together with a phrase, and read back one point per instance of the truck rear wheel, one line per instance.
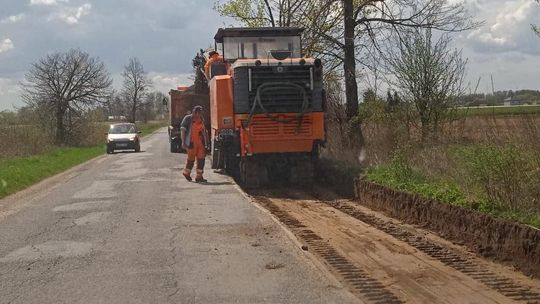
(217, 156)
(174, 148)
(176, 145)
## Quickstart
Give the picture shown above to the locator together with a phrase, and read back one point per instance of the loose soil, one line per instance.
(505, 241)
(391, 265)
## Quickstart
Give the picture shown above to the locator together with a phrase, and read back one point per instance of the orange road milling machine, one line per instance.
(267, 106)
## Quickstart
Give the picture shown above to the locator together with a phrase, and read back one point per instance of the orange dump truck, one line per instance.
(182, 100)
(267, 106)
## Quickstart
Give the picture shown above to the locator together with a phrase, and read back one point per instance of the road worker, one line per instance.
(194, 140)
(214, 57)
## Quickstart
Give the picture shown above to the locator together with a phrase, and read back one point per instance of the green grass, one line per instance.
(409, 180)
(404, 178)
(149, 127)
(18, 173)
(497, 111)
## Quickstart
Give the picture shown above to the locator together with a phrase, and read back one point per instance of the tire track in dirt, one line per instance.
(382, 262)
(364, 286)
(499, 282)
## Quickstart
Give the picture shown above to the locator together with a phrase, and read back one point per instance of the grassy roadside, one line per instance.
(407, 179)
(496, 111)
(19, 173)
(150, 127)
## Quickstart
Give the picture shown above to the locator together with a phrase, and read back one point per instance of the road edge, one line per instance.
(313, 262)
(32, 192)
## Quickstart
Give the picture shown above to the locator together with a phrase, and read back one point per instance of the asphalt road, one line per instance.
(126, 228)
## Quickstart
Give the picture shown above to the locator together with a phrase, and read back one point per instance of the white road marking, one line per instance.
(98, 189)
(83, 206)
(48, 250)
(91, 218)
(127, 173)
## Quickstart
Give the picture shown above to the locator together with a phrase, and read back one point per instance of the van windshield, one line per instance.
(122, 129)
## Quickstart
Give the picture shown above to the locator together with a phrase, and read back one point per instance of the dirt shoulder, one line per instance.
(370, 252)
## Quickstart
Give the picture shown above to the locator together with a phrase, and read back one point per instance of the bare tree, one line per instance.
(317, 17)
(347, 32)
(535, 27)
(259, 13)
(64, 83)
(155, 106)
(136, 83)
(429, 74)
(116, 105)
(375, 20)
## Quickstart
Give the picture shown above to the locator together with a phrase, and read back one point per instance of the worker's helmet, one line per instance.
(212, 53)
(197, 109)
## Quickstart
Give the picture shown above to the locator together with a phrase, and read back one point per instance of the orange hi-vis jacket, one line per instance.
(197, 150)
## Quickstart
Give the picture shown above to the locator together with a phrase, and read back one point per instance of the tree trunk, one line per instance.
(349, 64)
(60, 128)
(134, 111)
(356, 137)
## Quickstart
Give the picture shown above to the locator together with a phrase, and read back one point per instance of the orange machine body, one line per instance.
(267, 106)
(221, 104)
(263, 134)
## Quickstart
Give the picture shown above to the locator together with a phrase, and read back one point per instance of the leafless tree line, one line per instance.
(67, 88)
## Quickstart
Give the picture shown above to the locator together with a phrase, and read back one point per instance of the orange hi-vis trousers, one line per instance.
(196, 153)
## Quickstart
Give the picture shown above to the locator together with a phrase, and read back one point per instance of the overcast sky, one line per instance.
(165, 35)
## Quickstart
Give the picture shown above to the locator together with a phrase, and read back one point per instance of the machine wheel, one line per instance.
(248, 173)
(302, 173)
(176, 146)
(217, 156)
(232, 165)
(253, 174)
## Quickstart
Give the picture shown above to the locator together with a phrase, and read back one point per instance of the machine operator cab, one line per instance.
(258, 43)
(268, 70)
(268, 46)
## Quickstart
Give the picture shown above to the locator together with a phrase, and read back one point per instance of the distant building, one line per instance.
(118, 118)
(512, 101)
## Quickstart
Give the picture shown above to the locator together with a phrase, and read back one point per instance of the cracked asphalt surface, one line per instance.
(126, 228)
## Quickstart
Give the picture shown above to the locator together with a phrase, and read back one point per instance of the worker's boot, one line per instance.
(200, 178)
(187, 170)
(200, 170)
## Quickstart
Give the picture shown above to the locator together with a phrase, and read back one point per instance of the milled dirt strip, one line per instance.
(383, 262)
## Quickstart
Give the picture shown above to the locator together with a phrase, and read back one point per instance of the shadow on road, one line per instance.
(216, 183)
(127, 152)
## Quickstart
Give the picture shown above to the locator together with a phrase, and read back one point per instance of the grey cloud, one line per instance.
(6, 45)
(71, 15)
(47, 2)
(164, 35)
(507, 27)
(12, 19)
